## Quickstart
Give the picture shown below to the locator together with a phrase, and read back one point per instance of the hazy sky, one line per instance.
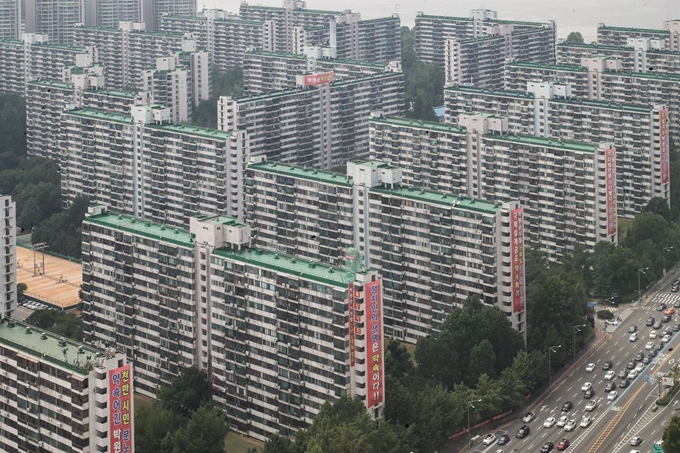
(579, 15)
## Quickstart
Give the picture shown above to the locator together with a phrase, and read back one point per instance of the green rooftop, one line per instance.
(295, 56)
(545, 142)
(44, 345)
(300, 172)
(374, 164)
(100, 115)
(141, 227)
(114, 93)
(442, 199)
(51, 84)
(202, 132)
(489, 91)
(287, 264)
(417, 124)
(556, 67)
(639, 30)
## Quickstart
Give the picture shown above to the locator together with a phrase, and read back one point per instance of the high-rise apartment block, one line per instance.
(170, 85)
(278, 335)
(10, 19)
(473, 49)
(618, 36)
(323, 124)
(154, 10)
(548, 110)
(33, 58)
(8, 256)
(638, 55)
(600, 78)
(149, 167)
(226, 36)
(55, 18)
(108, 13)
(59, 395)
(295, 26)
(453, 246)
(567, 189)
(264, 72)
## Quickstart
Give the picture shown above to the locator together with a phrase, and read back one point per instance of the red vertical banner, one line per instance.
(120, 410)
(352, 358)
(517, 259)
(664, 143)
(610, 177)
(374, 339)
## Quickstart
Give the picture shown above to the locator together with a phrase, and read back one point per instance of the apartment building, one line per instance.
(8, 256)
(154, 10)
(432, 249)
(322, 125)
(270, 71)
(226, 36)
(203, 297)
(618, 36)
(59, 395)
(601, 79)
(461, 44)
(567, 189)
(151, 168)
(10, 19)
(55, 18)
(108, 13)
(170, 85)
(548, 110)
(32, 58)
(127, 51)
(638, 55)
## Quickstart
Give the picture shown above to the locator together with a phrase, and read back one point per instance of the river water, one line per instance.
(570, 15)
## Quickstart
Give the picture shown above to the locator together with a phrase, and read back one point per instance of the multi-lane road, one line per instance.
(614, 422)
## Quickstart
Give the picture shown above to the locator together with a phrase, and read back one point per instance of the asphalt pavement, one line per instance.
(614, 422)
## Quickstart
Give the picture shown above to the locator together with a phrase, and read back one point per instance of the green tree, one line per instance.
(424, 81)
(574, 37)
(277, 444)
(21, 290)
(671, 436)
(659, 206)
(397, 359)
(224, 83)
(152, 427)
(482, 361)
(63, 231)
(59, 322)
(186, 393)
(204, 432)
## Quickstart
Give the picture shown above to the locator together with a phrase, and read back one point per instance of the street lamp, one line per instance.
(469, 405)
(576, 329)
(551, 349)
(663, 254)
(639, 292)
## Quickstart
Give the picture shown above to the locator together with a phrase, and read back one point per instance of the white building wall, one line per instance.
(8, 257)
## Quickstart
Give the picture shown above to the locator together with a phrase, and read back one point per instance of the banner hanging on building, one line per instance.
(323, 78)
(610, 177)
(664, 144)
(374, 340)
(517, 259)
(352, 358)
(120, 410)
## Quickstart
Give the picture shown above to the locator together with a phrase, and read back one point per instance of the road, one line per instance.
(613, 422)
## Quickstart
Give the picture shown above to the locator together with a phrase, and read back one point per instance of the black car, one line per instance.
(667, 332)
(661, 307)
(523, 432)
(589, 394)
(666, 318)
(623, 374)
(676, 328)
(646, 359)
(607, 365)
(566, 407)
(504, 439)
(624, 383)
(631, 364)
(547, 447)
(657, 325)
(638, 357)
(652, 353)
(611, 385)
(676, 304)
(632, 329)
(650, 321)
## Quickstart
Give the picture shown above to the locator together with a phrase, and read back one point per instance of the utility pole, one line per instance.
(639, 291)
(551, 349)
(576, 328)
(39, 246)
(663, 254)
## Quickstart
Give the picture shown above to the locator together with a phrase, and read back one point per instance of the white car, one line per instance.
(611, 374)
(591, 406)
(652, 334)
(635, 451)
(632, 374)
(585, 422)
(590, 368)
(549, 423)
(562, 421)
(530, 416)
(639, 367)
(635, 441)
(586, 386)
(489, 439)
(666, 339)
(571, 424)
(633, 337)
(612, 395)
(649, 345)
(612, 322)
